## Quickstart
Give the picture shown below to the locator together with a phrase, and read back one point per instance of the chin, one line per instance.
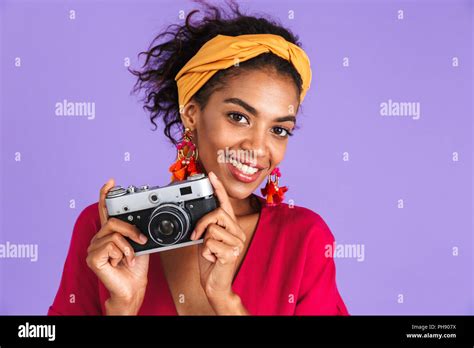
(237, 192)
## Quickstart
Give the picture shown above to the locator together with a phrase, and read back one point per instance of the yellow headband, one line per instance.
(224, 51)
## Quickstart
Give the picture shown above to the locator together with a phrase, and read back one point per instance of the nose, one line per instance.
(256, 144)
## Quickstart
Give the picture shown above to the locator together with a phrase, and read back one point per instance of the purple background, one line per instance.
(407, 251)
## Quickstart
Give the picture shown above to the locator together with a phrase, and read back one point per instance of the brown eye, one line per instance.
(236, 117)
(282, 132)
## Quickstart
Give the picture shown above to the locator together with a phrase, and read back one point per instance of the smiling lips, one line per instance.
(243, 172)
(248, 170)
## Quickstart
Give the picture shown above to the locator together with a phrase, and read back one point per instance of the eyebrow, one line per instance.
(254, 111)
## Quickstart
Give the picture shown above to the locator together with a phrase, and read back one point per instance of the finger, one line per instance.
(119, 241)
(219, 217)
(127, 230)
(102, 207)
(224, 253)
(206, 253)
(221, 194)
(114, 253)
(101, 258)
(222, 235)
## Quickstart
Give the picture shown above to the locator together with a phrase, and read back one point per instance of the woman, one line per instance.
(231, 84)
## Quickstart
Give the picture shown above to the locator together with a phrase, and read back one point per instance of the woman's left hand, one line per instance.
(219, 253)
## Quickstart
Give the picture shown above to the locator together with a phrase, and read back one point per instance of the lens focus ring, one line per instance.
(168, 224)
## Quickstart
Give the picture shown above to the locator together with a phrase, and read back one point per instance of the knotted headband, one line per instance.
(224, 51)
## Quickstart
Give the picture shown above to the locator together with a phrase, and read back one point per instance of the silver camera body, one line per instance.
(166, 215)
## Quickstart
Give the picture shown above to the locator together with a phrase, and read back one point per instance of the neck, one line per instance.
(246, 206)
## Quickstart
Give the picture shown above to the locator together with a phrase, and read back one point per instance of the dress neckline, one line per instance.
(242, 267)
(251, 246)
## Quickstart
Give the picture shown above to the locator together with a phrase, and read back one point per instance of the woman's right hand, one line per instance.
(112, 259)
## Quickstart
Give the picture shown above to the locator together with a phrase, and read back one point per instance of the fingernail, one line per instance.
(143, 238)
(236, 251)
(193, 235)
(127, 251)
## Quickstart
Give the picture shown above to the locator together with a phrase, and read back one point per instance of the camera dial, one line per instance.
(116, 191)
(196, 176)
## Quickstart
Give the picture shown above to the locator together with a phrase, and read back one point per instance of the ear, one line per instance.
(190, 114)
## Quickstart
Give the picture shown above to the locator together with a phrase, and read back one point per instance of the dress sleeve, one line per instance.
(318, 293)
(78, 292)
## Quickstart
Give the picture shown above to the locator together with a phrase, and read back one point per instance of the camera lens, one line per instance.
(166, 227)
(169, 223)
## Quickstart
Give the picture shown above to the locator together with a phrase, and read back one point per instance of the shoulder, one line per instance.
(87, 223)
(89, 215)
(300, 223)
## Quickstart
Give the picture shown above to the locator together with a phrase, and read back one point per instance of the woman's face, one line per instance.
(248, 121)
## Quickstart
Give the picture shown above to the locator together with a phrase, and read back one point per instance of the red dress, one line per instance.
(285, 270)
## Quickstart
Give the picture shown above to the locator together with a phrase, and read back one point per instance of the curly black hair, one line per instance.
(179, 43)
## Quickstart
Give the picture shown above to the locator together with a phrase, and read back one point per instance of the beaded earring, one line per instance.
(186, 163)
(274, 194)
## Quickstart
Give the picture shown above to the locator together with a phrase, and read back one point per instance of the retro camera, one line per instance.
(166, 215)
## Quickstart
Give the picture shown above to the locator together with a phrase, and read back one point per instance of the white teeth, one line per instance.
(243, 167)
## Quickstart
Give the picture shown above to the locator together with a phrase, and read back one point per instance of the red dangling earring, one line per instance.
(274, 194)
(186, 163)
